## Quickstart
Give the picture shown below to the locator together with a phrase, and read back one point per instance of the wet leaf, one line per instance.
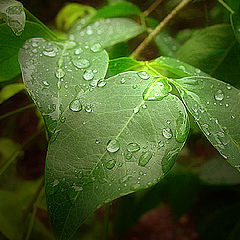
(13, 14)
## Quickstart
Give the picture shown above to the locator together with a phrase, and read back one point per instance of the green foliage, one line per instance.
(10, 90)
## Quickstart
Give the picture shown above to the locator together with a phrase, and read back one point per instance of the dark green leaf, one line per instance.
(10, 45)
(13, 14)
(215, 107)
(215, 51)
(56, 72)
(106, 32)
(235, 20)
(10, 90)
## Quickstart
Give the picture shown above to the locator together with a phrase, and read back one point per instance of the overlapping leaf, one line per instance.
(215, 107)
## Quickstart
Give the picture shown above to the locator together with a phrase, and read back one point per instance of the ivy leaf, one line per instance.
(13, 14)
(56, 72)
(10, 45)
(106, 32)
(215, 51)
(235, 20)
(104, 144)
(215, 107)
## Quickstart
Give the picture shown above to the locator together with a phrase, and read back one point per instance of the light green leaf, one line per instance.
(10, 90)
(119, 9)
(218, 172)
(235, 20)
(56, 72)
(68, 15)
(214, 50)
(106, 32)
(215, 107)
(10, 45)
(13, 14)
(123, 64)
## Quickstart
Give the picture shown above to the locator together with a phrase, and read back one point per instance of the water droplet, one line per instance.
(144, 106)
(229, 87)
(227, 105)
(205, 129)
(219, 95)
(134, 86)
(143, 75)
(45, 83)
(70, 45)
(128, 155)
(60, 73)
(110, 164)
(123, 80)
(62, 119)
(167, 133)
(144, 158)
(136, 109)
(88, 108)
(182, 128)
(96, 47)
(168, 121)
(133, 147)
(97, 141)
(88, 75)
(78, 51)
(75, 105)
(50, 53)
(160, 144)
(80, 62)
(113, 146)
(101, 83)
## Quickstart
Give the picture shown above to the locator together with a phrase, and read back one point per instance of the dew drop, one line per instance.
(160, 144)
(133, 147)
(78, 51)
(143, 75)
(167, 133)
(88, 75)
(75, 105)
(113, 146)
(70, 45)
(128, 155)
(45, 83)
(144, 158)
(101, 83)
(97, 141)
(219, 96)
(80, 62)
(96, 47)
(136, 110)
(51, 53)
(60, 73)
(144, 106)
(123, 80)
(205, 129)
(110, 164)
(80, 175)
(88, 108)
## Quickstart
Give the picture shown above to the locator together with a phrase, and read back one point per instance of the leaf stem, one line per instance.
(152, 7)
(106, 220)
(159, 28)
(17, 111)
(226, 6)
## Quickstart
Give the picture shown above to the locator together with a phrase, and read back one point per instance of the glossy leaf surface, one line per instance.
(235, 20)
(13, 14)
(215, 107)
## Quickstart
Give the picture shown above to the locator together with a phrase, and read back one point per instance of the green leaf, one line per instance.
(119, 9)
(57, 72)
(13, 14)
(235, 20)
(69, 14)
(104, 144)
(10, 45)
(106, 32)
(123, 64)
(218, 172)
(215, 51)
(10, 90)
(215, 107)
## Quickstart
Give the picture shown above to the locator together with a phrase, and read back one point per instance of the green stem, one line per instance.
(17, 111)
(106, 221)
(35, 19)
(226, 6)
(159, 28)
(16, 153)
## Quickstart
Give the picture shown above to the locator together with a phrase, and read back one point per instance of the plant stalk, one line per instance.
(159, 28)
(152, 7)
(226, 6)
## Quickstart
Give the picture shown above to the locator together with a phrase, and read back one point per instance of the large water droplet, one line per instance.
(133, 147)
(167, 133)
(88, 75)
(144, 158)
(157, 90)
(75, 105)
(50, 53)
(182, 128)
(80, 62)
(110, 164)
(101, 83)
(113, 146)
(60, 73)
(143, 75)
(96, 47)
(219, 95)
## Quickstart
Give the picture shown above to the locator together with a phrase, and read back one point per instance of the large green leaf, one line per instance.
(108, 141)
(54, 74)
(235, 20)
(106, 32)
(13, 14)
(10, 45)
(215, 51)
(215, 107)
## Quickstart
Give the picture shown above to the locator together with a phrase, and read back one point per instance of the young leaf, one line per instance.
(57, 72)
(105, 144)
(215, 107)
(10, 45)
(68, 15)
(13, 14)
(10, 90)
(106, 32)
(235, 20)
(214, 50)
